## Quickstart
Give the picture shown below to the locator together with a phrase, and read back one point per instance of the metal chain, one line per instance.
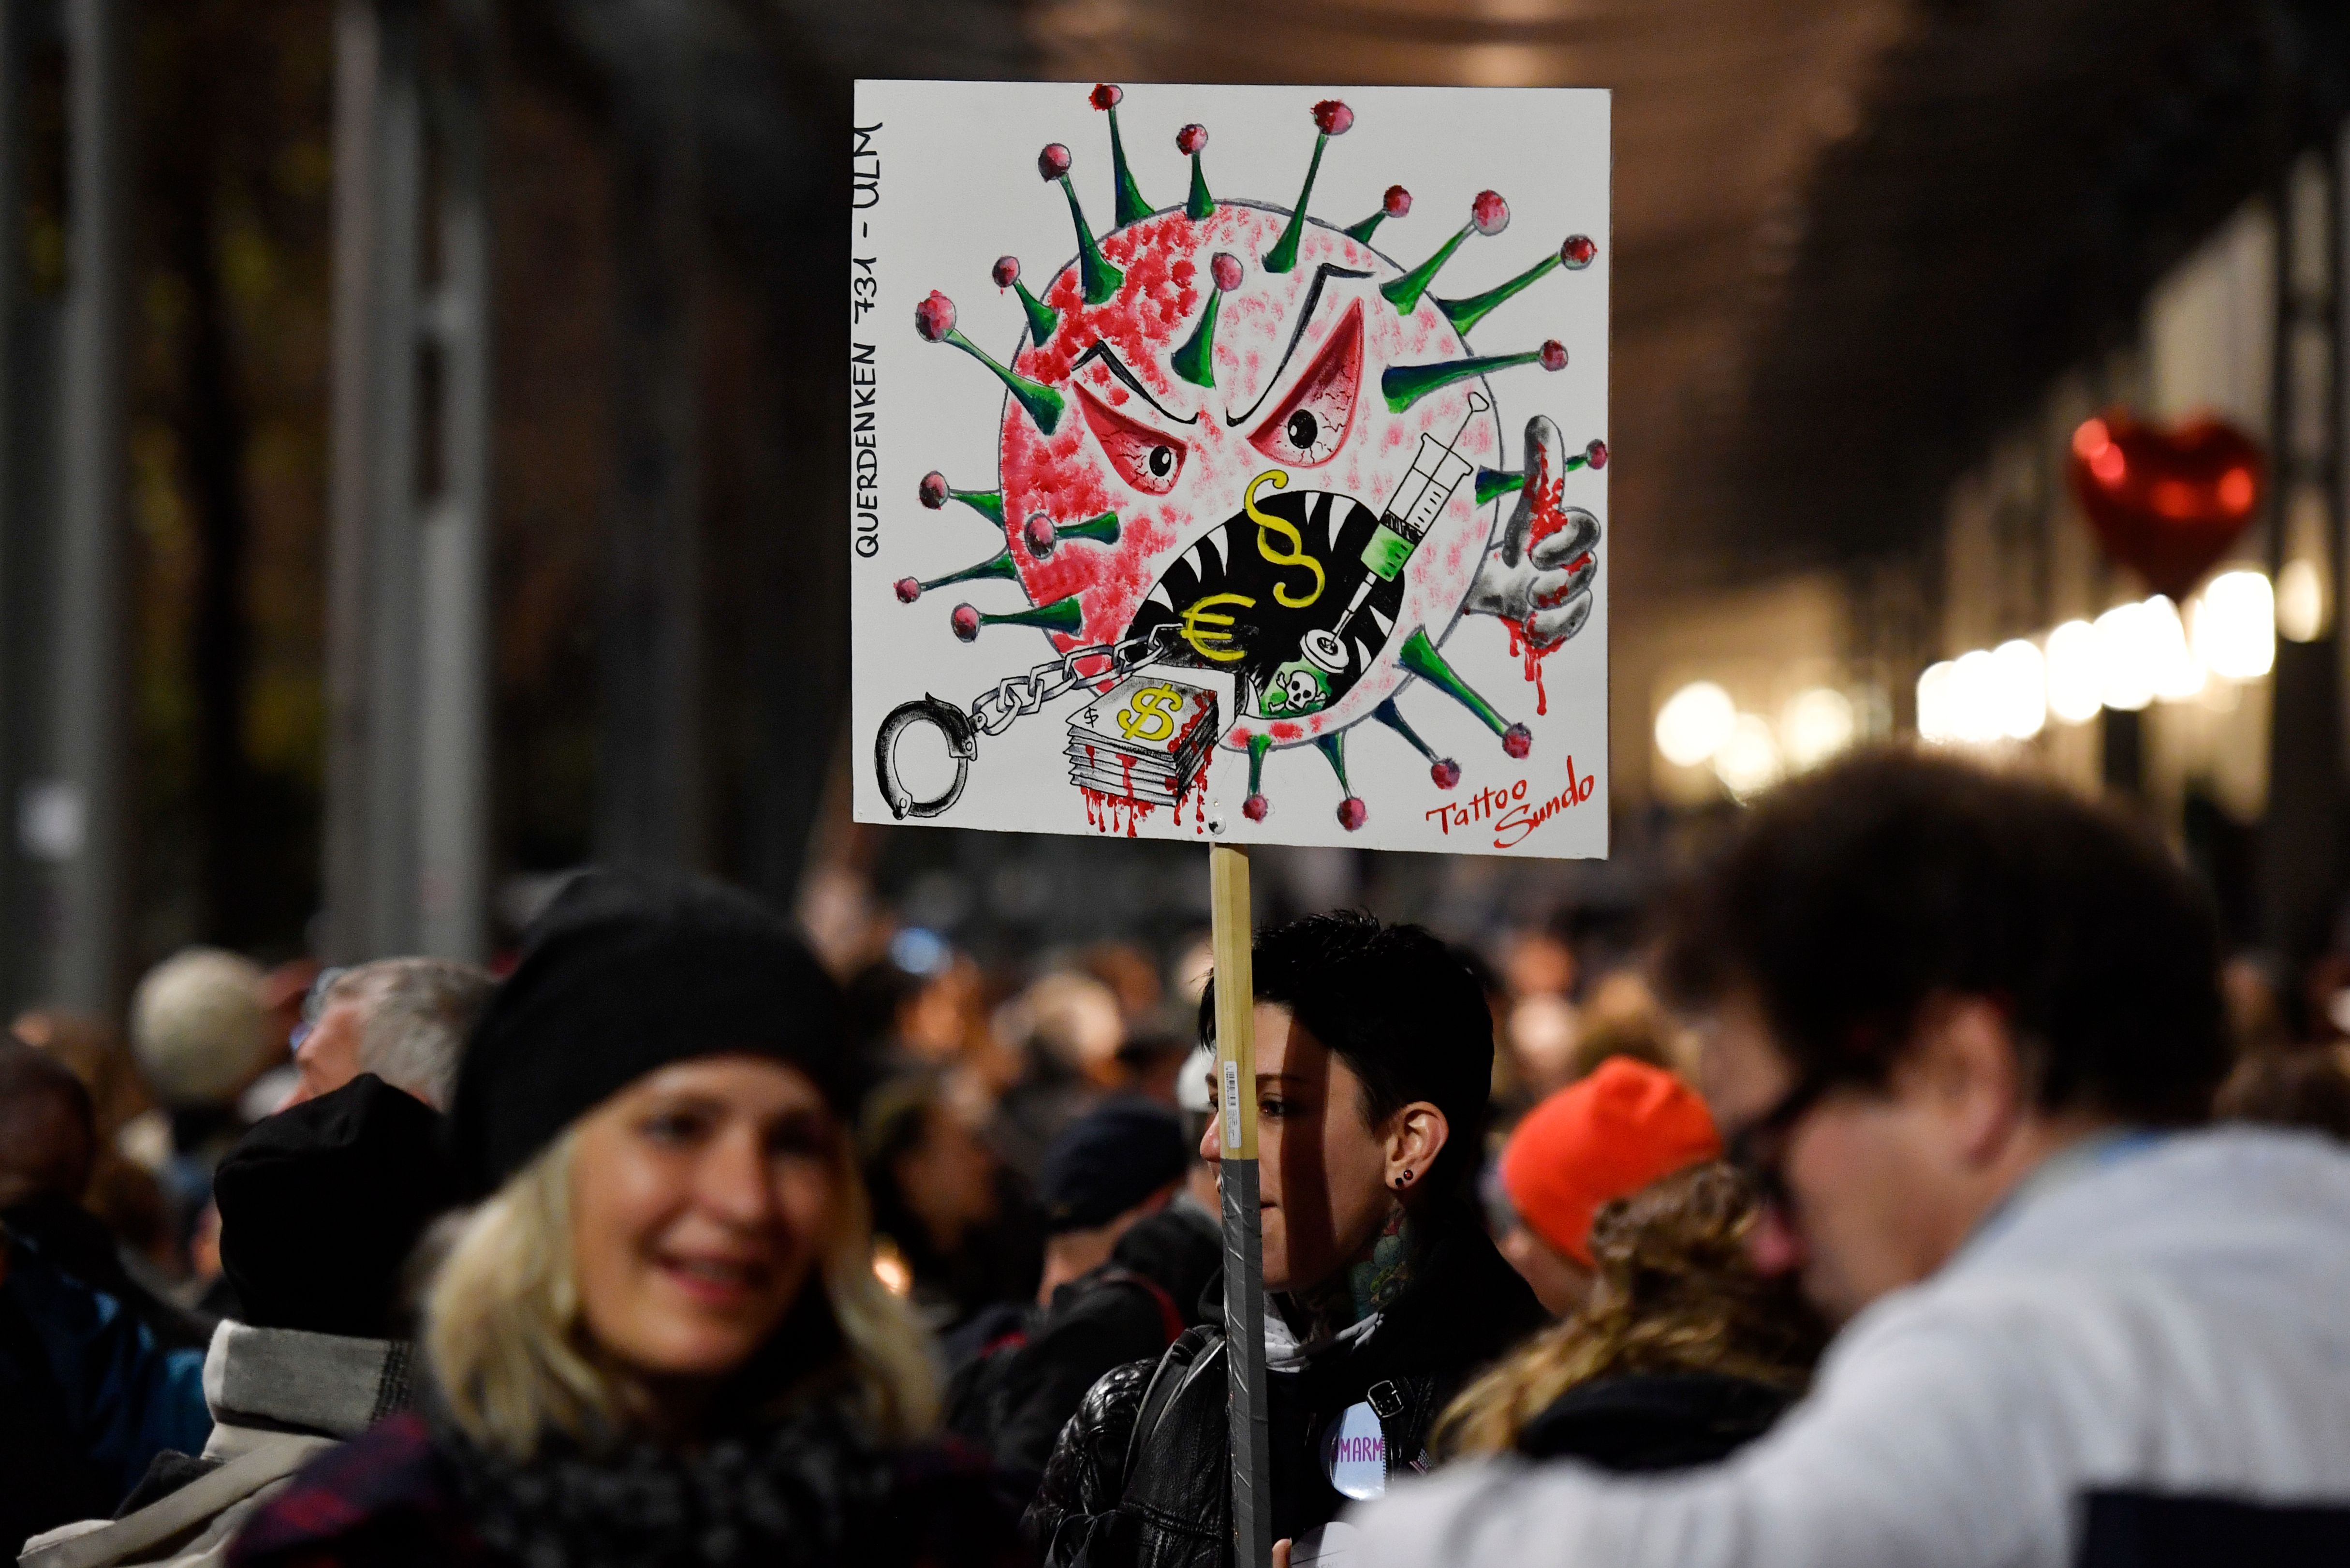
(1017, 696)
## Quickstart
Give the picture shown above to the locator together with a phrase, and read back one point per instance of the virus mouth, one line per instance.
(1270, 595)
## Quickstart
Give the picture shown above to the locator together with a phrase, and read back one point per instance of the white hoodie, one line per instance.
(2173, 1316)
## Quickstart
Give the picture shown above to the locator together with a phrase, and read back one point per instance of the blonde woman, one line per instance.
(658, 1339)
(1681, 1354)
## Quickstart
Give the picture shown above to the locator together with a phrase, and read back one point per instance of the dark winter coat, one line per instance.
(1014, 1398)
(1655, 1421)
(406, 1493)
(1141, 1475)
(88, 1399)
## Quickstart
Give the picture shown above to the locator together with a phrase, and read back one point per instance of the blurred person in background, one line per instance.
(1195, 1088)
(1961, 1025)
(404, 1020)
(49, 1153)
(955, 1221)
(921, 1004)
(1374, 1054)
(1132, 978)
(658, 1338)
(1620, 1016)
(285, 995)
(1554, 1041)
(1540, 963)
(2256, 1014)
(133, 1142)
(97, 1055)
(1067, 1030)
(320, 1206)
(201, 1035)
(1148, 1065)
(1603, 1138)
(1117, 1165)
(87, 1398)
(1540, 1035)
(1125, 1267)
(2308, 1087)
(1679, 1353)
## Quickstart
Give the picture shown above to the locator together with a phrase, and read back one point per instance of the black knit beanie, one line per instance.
(626, 972)
(320, 1204)
(1109, 1161)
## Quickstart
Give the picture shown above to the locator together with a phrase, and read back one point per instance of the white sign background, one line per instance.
(945, 181)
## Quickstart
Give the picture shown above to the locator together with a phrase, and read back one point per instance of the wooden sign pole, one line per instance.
(1228, 877)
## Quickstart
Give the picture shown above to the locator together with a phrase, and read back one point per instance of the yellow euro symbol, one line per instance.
(1200, 624)
(1267, 522)
(1152, 715)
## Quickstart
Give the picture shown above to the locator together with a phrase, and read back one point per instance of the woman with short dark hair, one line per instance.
(1374, 1054)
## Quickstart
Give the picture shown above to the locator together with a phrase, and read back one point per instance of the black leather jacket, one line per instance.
(1141, 1475)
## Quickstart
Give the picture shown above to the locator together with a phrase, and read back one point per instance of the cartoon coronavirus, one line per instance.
(1247, 439)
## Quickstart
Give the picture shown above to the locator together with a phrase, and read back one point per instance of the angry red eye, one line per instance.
(1311, 424)
(1145, 459)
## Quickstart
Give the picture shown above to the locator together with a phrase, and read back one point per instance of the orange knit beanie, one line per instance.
(1600, 1138)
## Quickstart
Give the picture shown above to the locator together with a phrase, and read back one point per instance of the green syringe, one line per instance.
(1437, 472)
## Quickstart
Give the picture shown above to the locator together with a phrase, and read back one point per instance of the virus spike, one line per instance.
(1393, 205)
(1101, 530)
(999, 565)
(1132, 207)
(934, 318)
(1352, 812)
(1043, 537)
(1042, 317)
(1464, 313)
(1063, 615)
(1443, 770)
(1199, 205)
(1492, 482)
(936, 493)
(1256, 809)
(1420, 657)
(1101, 279)
(1195, 361)
(1331, 119)
(1488, 214)
(1404, 384)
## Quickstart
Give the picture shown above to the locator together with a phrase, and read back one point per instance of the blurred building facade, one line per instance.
(421, 464)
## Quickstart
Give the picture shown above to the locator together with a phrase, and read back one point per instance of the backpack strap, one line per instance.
(1194, 1350)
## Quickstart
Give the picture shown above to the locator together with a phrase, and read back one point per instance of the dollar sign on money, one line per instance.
(1266, 523)
(1154, 707)
(1202, 623)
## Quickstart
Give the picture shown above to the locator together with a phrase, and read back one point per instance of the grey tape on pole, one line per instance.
(1244, 1366)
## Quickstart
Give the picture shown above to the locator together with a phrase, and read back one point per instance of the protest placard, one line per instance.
(1229, 463)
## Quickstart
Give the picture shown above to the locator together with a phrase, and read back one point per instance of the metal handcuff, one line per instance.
(991, 713)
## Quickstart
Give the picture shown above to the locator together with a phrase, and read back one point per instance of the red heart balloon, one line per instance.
(2166, 503)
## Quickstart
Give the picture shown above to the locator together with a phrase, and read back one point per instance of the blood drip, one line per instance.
(1547, 497)
(1112, 814)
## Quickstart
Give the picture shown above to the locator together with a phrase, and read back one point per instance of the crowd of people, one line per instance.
(1922, 1186)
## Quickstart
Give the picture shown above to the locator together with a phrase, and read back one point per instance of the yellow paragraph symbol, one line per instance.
(1152, 715)
(1266, 523)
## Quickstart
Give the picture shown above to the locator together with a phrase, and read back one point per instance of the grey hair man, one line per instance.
(404, 1020)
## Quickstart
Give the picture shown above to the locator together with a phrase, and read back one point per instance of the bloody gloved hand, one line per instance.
(1539, 575)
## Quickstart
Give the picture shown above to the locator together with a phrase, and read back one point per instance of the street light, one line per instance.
(1694, 723)
(2235, 623)
(2075, 673)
